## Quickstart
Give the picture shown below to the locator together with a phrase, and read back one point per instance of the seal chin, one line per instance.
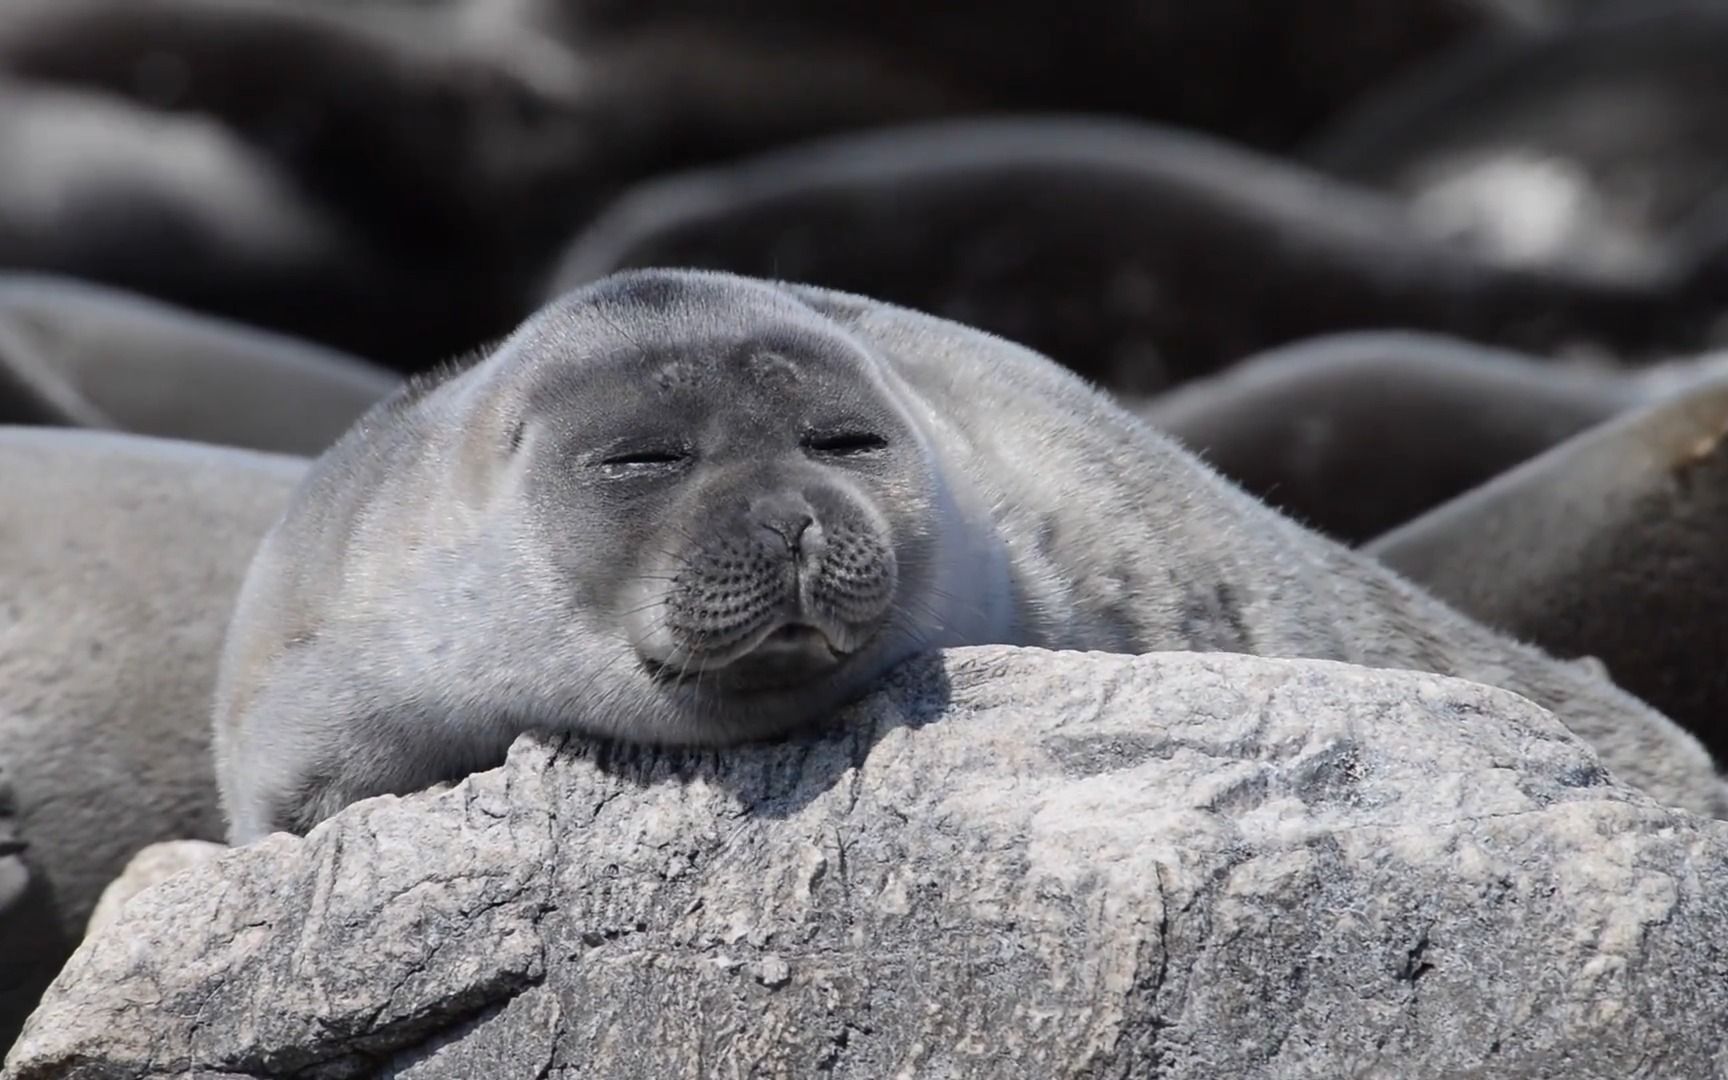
(789, 656)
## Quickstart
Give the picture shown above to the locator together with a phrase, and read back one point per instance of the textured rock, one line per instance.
(151, 866)
(119, 560)
(1005, 863)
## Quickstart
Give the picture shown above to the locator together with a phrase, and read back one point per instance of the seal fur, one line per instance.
(474, 559)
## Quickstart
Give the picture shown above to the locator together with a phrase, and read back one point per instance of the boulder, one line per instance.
(1004, 863)
(151, 866)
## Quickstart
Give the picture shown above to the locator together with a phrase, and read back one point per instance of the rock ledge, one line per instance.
(1006, 863)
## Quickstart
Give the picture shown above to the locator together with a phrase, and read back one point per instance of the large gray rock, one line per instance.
(1004, 863)
(119, 560)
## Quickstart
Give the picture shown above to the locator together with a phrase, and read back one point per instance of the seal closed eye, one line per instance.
(691, 508)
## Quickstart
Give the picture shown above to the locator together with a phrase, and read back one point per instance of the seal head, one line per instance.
(669, 509)
(751, 515)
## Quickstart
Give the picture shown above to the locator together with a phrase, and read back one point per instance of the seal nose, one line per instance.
(791, 529)
(791, 520)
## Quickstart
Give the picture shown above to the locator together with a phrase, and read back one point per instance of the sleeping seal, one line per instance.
(692, 508)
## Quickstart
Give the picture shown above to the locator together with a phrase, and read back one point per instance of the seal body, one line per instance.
(691, 508)
(1608, 546)
(1140, 256)
(1596, 146)
(88, 355)
(1294, 424)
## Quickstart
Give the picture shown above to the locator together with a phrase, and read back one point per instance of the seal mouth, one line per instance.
(783, 657)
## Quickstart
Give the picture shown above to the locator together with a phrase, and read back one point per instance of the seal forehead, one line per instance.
(754, 363)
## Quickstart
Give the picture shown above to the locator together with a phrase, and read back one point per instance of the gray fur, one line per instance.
(120, 557)
(440, 584)
(1440, 414)
(88, 355)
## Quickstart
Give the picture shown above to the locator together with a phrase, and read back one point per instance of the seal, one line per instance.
(1595, 145)
(1354, 434)
(448, 148)
(92, 356)
(1140, 256)
(691, 508)
(120, 557)
(1260, 75)
(1607, 546)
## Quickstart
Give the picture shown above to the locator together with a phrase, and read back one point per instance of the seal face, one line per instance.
(747, 509)
(670, 509)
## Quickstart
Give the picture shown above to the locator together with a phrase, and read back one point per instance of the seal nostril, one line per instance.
(791, 530)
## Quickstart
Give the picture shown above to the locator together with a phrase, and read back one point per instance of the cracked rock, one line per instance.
(1005, 863)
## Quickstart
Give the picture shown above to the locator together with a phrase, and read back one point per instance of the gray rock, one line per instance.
(119, 560)
(151, 866)
(1004, 863)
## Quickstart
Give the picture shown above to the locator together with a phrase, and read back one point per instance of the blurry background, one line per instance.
(403, 181)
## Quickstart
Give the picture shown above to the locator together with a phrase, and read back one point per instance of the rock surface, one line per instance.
(151, 866)
(119, 560)
(1005, 863)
